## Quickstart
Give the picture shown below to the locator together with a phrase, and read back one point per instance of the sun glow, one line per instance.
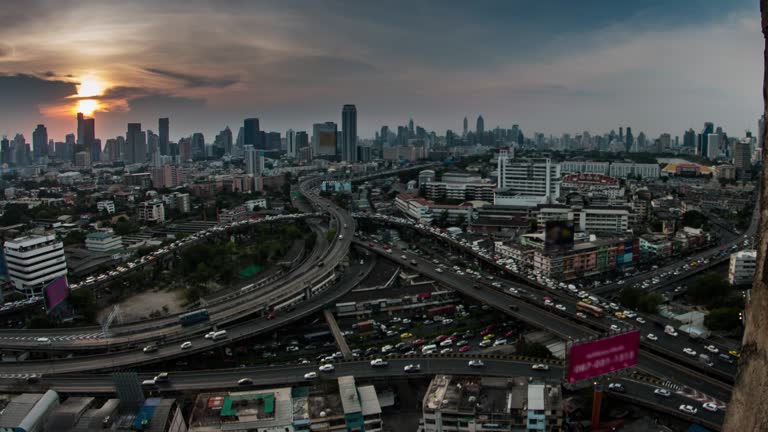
(90, 87)
(87, 106)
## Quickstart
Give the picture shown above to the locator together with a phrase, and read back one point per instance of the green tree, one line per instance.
(722, 319)
(694, 219)
(709, 288)
(330, 234)
(125, 227)
(74, 237)
(649, 303)
(630, 297)
(84, 303)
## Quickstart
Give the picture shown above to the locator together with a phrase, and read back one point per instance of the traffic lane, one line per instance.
(670, 345)
(199, 344)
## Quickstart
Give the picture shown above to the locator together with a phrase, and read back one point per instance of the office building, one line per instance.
(741, 268)
(251, 133)
(349, 133)
(526, 183)
(135, 144)
(485, 404)
(480, 125)
(151, 211)
(103, 242)
(39, 142)
(163, 138)
(34, 261)
(597, 219)
(713, 146)
(290, 143)
(701, 140)
(254, 160)
(168, 176)
(5, 150)
(324, 137)
(302, 141)
(742, 159)
(624, 170)
(198, 145)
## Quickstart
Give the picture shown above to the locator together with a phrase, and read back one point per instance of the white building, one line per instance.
(254, 160)
(290, 143)
(741, 269)
(103, 242)
(151, 211)
(34, 261)
(625, 169)
(106, 206)
(590, 167)
(178, 201)
(598, 219)
(261, 203)
(526, 183)
(713, 145)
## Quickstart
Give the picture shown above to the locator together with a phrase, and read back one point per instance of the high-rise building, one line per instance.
(742, 158)
(466, 128)
(701, 144)
(760, 131)
(86, 137)
(713, 146)
(527, 182)
(163, 129)
(223, 141)
(39, 142)
(324, 139)
(629, 139)
(480, 129)
(198, 144)
(34, 261)
(741, 267)
(254, 160)
(5, 150)
(185, 149)
(136, 144)
(689, 138)
(349, 133)
(410, 127)
(290, 143)
(251, 133)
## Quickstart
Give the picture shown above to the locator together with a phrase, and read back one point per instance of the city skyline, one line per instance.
(620, 75)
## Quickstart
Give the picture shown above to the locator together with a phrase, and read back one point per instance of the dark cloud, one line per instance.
(29, 90)
(189, 80)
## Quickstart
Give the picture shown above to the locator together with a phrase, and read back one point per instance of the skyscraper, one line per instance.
(290, 143)
(5, 150)
(254, 160)
(39, 142)
(324, 139)
(86, 137)
(224, 141)
(630, 139)
(713, 146)
(349, 130)
(163, 129)
(480, 125)
(689, 138)
(198, 144)
(466, 127)
(742, 158)
(410, 128)
(701, 144)
(251, 132)
(136, 144)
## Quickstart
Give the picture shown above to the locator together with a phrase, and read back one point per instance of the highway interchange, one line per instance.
(663, 358)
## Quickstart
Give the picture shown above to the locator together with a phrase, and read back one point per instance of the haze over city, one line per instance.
(550, 66)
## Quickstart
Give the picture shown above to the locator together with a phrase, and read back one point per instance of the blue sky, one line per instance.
(550, 66)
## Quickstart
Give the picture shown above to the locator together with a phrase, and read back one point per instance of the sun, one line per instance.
(87, 106)
(89, 87)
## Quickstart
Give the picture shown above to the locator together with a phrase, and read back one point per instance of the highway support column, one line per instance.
(597, 401)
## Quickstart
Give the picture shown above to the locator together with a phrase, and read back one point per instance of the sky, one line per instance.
(552, 66)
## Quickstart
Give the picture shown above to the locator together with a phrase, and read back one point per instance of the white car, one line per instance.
(540, 366)
(688, 409)
(560, 307)
(652, 337)
(581, 315)
(378, 362)
(641, 320)
(209, 335)
(711, 348)
(476, 363)
(690, 352)
(326, 368)
(614, 327)
(710, 406)
(412, 368)
(186, 345)
(662, 392)
(500, 342)
(310, 375)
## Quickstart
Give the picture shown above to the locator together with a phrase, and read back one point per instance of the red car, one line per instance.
(441, 338)
(271, 316)
(453, 338)
(465, 348)
(418, 342)
(509, 333)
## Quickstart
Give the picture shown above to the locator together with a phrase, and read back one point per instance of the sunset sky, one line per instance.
(550, 66)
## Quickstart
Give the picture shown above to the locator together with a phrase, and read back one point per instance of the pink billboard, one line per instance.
(56, 292)
(599, 357)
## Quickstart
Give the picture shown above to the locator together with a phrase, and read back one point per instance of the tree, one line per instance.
(84, 303)
(74, 237)
(694, 219)
(746, 409)
(535, 349)
(630, 297)
(125, 227)
(709, 288)
(722, 319)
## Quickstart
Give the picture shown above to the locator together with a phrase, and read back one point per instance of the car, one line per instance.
(689, 351)
(500, 342)
(326, 368)
(560, 307)
(711, 348)
(476, 363)
(540, 366)
(735, 353)
(688, 409)
(617, 387)
(209, 335)
(406, 335)
(652, 337)
(310, 375)
(726, 358)
(162, 377)
(186, 345)
(620, 315)
(614, 327)
(662, 392)
(465, 348)
(150, 349)
(485, 343)
(378, 362)
(641, 320)
(412, 368)
(245, 381)
(710, 406)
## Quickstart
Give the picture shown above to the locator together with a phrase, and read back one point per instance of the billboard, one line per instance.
(592, 359)
(55, 293)
(558, 234)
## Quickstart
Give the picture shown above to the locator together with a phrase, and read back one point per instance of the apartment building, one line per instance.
(151, 211)
(741, 268)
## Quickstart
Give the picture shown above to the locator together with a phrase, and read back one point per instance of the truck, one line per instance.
(441, 310)
(364, 326)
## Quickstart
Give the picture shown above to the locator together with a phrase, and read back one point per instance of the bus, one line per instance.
(191, 318)
(594, 310)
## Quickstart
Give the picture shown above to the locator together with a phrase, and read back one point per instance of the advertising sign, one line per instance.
(592, 359)
(56, 292)
(558, 234)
